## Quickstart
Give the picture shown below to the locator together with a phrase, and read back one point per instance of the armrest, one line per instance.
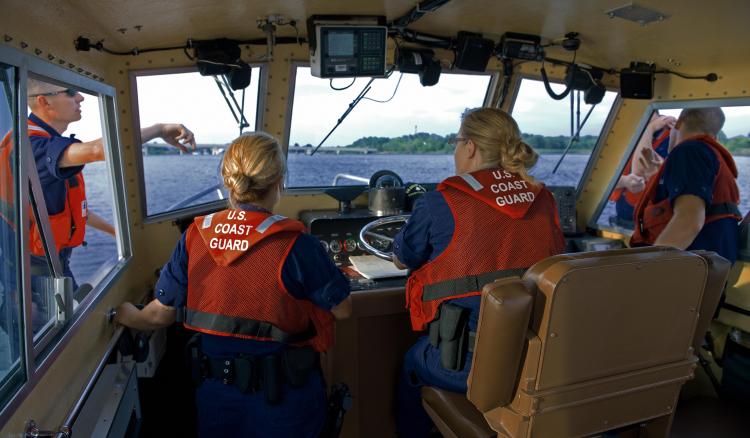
(501, 334)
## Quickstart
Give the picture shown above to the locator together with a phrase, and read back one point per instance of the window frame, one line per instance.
(606, 127)
(640, 128)
(38, 358)
(491, 86)
(194, 210)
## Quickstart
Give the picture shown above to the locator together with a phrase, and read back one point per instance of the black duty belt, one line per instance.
(725, 208)
(463, 285)
(242, 326)
(267, 372)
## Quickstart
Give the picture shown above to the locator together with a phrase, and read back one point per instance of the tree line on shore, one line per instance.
(426, 143)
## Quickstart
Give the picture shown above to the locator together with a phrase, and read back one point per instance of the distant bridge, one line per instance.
(330, 150)
(165, 149)
(218, 149)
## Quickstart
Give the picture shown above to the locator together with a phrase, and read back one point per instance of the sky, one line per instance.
(195, 101)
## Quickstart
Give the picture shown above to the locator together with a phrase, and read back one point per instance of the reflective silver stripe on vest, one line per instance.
(463, 285)
(242, 326)
(36, 128)
(476, 185)
(207, 221)
(266, 224)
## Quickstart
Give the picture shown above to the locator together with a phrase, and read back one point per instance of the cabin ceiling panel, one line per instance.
(609, 41)
(695, 38)
(169, 22)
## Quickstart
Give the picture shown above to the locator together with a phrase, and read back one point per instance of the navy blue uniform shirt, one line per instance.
(47, 154)
(308, 274)
(691, 169)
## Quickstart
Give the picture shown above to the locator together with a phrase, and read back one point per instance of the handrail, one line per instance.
(202, 193)
(348, 176)
(66, 430)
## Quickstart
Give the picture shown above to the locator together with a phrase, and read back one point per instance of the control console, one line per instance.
(339, 235)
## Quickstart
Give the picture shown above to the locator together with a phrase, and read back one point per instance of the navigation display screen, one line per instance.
(341, 44)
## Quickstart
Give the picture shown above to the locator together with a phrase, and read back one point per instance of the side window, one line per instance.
(73, 200)
(100, 246)
(617, 212)
(174, 180)
(547, 126)
(399, 125)
(11, 322)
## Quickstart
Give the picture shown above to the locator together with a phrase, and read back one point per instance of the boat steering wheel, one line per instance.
(378, 243)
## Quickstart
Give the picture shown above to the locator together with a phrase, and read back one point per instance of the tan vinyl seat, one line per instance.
(585, 343)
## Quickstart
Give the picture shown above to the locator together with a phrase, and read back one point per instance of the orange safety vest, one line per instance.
(235, 258)
(68, 226)
(652, 217)
(503, 225)
(7, 181)
(630, 197)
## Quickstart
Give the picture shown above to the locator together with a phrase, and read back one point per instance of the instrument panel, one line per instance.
(339, 234)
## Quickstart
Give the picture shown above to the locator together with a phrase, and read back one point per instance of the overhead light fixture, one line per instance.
(637, 14)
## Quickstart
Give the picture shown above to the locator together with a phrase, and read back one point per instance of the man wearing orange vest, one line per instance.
(60, 160)
(693, 201)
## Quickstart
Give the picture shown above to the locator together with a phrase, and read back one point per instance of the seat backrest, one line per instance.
(594, 315)
(603, 314)
(745, 236)
(718, 271)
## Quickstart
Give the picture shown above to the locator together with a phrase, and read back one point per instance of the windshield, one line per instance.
(406, 132)
(546, 126)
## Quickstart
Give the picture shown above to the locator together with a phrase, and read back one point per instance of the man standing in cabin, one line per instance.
(60, 160)
(646, 159)
(692, 202)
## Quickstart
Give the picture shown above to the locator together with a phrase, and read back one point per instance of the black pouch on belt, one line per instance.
(298, 363)
(195, 360)
(271, 378)
(433, 330)
(453, 334)
(245, 376)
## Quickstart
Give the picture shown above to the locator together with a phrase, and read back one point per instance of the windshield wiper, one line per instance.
(575, 136)
(353, 103)
(233, 105)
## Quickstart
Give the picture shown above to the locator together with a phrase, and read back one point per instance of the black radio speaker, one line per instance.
(636, 84)
(472, 51)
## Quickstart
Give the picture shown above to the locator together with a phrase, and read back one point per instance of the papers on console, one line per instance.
(372, 267)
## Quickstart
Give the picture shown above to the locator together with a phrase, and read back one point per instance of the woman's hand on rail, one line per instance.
(154, 316)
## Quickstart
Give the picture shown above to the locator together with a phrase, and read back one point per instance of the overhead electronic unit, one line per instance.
(347, 46)
(421, 62)
(637, 81)
(473, 52)
(521, 46)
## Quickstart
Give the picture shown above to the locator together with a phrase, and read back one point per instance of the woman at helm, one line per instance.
(263, 296)
(490, 221)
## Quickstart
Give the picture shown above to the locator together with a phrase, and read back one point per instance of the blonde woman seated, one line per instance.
(262, 294)
(490, 221)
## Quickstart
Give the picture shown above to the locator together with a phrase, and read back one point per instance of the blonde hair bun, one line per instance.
(252, 165)
(498, 139)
